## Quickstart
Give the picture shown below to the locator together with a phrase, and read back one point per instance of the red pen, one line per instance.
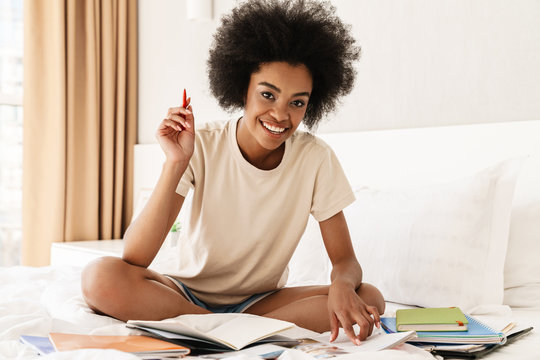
(184, 99)
(184, 104)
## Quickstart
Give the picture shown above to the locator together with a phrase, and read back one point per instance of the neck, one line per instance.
(254, 153)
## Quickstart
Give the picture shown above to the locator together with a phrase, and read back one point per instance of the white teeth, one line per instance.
(272, 128)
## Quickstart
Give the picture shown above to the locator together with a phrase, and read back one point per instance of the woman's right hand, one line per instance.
(176, 134)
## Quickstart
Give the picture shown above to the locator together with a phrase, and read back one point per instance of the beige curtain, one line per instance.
(80, 102)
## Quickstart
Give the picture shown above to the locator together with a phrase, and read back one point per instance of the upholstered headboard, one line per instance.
(416, 159)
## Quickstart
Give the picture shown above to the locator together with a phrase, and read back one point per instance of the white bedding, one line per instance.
(527, 347)
(36, 301)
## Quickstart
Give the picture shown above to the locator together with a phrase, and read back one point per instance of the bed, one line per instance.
(444, 216)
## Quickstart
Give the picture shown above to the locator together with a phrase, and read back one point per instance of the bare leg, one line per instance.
(113, 287)
(307, 306)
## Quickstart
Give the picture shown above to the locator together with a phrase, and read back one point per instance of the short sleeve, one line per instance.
(186, 182)
(193, 169)
(332, 191)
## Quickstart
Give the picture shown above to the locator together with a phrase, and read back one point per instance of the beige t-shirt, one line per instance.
(245, 223)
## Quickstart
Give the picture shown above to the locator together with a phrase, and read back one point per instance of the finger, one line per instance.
(168, 123)
(190, 118)
(349, 331)
(174, 110)
(177, 111)
(365, 321)
(334, 327)
(179, 119)
(183, 112)
(370, 330)
(375, 313)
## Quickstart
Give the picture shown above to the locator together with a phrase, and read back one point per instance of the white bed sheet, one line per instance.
(528, 347)
(36, 301)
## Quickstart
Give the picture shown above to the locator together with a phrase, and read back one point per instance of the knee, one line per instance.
(99, 280)
(372, 296)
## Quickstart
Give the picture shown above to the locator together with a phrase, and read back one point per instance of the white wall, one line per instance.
(424, 63)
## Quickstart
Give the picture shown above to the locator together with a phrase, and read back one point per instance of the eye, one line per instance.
(267, 95)
(298, 103)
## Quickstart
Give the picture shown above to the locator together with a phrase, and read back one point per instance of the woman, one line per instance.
(256, 180)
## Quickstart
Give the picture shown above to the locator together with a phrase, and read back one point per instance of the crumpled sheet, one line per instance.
(37, 301)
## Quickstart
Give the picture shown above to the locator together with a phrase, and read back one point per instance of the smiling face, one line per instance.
(276, 101)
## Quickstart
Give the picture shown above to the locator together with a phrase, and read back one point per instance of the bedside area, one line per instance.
(148, 159)
(79, 253)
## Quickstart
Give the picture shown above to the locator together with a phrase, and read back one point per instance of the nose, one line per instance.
(279, 111)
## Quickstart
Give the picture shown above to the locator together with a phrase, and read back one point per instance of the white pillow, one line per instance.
(522, 267)
(439, 245)
(310, 264)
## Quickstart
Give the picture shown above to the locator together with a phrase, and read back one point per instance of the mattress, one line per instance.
(36, 301)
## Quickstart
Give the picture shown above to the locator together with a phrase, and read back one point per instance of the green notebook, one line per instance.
(431, 319)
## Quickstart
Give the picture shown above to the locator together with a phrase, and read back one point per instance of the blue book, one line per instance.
(41, 344)
(477, 333)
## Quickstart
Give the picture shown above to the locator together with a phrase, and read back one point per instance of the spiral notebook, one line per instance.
(477, 333)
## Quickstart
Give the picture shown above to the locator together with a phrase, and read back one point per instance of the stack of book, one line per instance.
(449, 332)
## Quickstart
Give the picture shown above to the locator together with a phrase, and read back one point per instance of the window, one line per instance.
(11, 112)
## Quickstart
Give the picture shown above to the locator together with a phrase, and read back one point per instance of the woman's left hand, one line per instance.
(346, 308)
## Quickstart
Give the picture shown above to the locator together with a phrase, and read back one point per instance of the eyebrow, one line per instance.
(272, 86)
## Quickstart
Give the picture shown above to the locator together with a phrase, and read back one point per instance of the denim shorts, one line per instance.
(234, 308)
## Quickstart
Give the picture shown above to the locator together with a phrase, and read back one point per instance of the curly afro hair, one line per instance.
(294, 31)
